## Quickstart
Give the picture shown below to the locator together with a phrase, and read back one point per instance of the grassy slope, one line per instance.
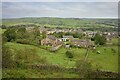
(107, 59)
(31, 73)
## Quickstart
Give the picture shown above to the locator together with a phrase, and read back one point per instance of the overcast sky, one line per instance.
(60, 9)
(60, 0)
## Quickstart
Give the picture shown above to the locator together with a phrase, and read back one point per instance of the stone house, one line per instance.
(50, 32)
(82, 43)
(109, 36)
(51, 40)
(90, 33)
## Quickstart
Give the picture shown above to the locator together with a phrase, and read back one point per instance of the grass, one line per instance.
(107, 60)
(115, 40)
(0, 73)
(31, 73)
(11, 23)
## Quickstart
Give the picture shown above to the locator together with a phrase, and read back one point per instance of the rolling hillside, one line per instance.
(62, 22)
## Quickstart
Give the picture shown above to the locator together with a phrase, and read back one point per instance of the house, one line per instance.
(51, 40)
(82, 43)
(108, 36)
(50, 32)
(90, 33)
(42, 29)
(65, 38)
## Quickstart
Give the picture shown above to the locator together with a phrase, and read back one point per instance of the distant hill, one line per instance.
(62, 22)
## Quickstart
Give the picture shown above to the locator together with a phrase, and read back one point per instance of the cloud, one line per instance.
(59, 9)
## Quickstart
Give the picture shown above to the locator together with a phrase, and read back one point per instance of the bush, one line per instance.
(69, 54)
(113, 50)
(100, 39)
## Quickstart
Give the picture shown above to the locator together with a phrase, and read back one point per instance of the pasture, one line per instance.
(107, 60)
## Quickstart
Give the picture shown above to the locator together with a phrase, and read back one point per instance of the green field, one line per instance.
(107, 60)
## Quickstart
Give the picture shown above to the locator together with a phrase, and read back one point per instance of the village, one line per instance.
(67, 40)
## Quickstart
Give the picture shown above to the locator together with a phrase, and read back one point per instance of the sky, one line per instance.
(60, 9)
(60, 0)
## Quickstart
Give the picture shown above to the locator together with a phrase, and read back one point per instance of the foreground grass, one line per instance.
(0, 73)
(31, 73)
(107, 60)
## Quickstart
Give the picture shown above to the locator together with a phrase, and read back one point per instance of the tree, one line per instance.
(99, 39)
(10, 34)
(43, 34)
(102, 40)
(36, 32)
(21, 33)
(59, 35)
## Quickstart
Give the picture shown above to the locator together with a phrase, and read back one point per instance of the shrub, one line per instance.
(69, 54)
(113, 50)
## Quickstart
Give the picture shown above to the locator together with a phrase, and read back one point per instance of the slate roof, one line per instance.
(51, 37)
